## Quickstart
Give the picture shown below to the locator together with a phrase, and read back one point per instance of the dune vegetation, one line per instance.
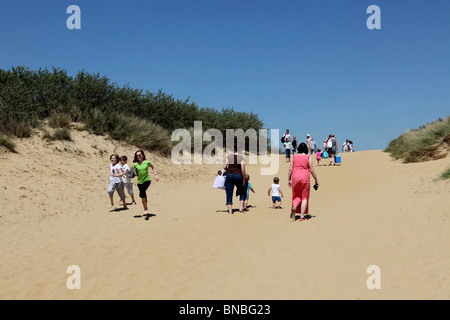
(445, 174)
(429, 142)
(145, 119)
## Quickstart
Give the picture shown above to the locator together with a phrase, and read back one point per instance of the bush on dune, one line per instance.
(445, 174)
(6, 142)
(429, 142)
(132, 115)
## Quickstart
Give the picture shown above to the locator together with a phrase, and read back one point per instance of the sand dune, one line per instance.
(371, 210)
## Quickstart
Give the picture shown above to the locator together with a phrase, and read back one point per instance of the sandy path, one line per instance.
(368, 211)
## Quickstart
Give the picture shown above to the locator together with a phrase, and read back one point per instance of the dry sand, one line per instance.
(371, 210)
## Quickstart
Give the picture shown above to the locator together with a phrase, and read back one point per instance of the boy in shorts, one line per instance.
(277, 194)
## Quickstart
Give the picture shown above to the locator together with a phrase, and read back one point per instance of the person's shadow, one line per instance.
(118, 209)
(307, 217)
(146, 216)
(232, 210)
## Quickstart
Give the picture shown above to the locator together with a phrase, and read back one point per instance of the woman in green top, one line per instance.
(141, 166)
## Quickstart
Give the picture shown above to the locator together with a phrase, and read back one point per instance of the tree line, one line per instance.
(136, 116)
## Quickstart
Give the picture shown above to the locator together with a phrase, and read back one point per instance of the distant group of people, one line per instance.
(301, 168)
(290, 145)
(347, 146)
(299, 175)
(121, 177)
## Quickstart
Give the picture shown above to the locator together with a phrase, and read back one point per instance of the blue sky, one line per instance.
(308, 66)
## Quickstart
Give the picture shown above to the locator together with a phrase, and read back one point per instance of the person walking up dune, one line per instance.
(299, 180)
(141, 165)
(235, 172)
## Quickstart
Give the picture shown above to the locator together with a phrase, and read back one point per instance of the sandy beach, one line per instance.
(370, 210)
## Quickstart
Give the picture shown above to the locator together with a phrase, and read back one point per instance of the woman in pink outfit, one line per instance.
(299, 180)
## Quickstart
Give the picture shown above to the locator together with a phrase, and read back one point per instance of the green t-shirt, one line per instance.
(142, 171)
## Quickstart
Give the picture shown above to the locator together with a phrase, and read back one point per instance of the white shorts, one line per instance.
(116, 186)
(129, 187)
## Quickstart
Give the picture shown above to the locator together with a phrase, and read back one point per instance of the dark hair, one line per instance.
(116, 156)
(276, 180)
(302, 148)
(136, 159)
(124, 158)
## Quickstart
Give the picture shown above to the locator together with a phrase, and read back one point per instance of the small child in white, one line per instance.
(277, 194)
(115, 180)
(127, 181)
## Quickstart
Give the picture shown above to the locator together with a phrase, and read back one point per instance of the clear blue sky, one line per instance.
(308, 66)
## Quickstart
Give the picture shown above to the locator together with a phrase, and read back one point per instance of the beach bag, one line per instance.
(219, 182)
(130, 173)
(338, 158)
(282, 139)
(329, 144)
(325, 154)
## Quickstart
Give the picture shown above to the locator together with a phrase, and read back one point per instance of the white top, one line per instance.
(309, 143)
(115, 170)
(124, 177)
(329, 143)
(275, 190)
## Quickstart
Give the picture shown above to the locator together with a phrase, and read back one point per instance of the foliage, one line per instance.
(123, 112)
(445, 174)
(431, 141)
(6, 142)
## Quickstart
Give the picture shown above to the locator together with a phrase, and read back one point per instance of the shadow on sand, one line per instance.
(147, 216)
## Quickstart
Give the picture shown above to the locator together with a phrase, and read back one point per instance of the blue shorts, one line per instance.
(276, 199)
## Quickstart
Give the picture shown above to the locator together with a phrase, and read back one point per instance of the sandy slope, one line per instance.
(368, 211)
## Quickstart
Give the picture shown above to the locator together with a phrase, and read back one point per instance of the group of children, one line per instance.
(274, 190)
(120, 179)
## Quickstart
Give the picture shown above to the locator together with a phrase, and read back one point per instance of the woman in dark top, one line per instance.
(294, 145)
(333, 150)
(235, 172)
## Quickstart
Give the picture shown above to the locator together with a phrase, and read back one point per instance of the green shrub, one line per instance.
(26, 97)
(6, 142)
(431, 141)
(445, 174)
(59, 120)
(61, 134)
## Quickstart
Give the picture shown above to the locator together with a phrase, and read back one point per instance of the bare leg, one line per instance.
(230, 208)
(132, 199)
(293, 210)
(303, 208)
(241, 206)
(144, 203)
(112, 202)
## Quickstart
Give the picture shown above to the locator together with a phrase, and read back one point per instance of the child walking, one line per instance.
(115, 180)
(287, 148)
(127, 181)
(248, 188)
(277, 194)
(318, 157)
